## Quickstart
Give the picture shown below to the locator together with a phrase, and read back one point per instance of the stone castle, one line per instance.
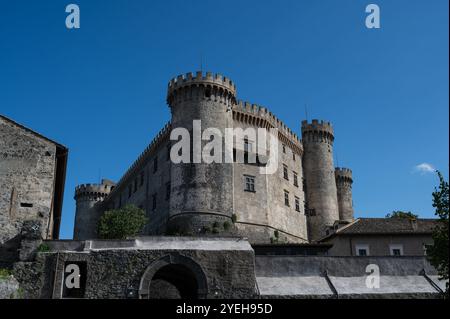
(300, 203)
(220, 230)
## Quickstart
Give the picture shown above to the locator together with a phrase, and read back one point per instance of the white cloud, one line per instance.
(424, 168)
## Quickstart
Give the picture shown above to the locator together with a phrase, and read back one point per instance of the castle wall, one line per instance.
(260, 213)
(152, 182)
(27, 177)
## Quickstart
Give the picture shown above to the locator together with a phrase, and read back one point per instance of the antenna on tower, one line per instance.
(306, 111)
(201, 61)
(337, 159)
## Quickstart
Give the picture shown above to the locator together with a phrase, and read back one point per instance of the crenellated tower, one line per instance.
(200, 193)
(344, 183)
(87, 216)
(320, 182)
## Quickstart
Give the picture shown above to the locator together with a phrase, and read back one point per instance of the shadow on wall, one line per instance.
(9, 252)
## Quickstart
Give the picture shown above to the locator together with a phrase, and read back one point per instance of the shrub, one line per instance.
(122, 223)
(43, 248)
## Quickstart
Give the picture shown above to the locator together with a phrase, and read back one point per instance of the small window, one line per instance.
(285, 172)
(396, 250)
(142, 177)
(130, 190)
(284, 149)
(168, 187)
(297, 204)
(153, 201)
(286, 198)
(295, 179)
(293, 156)
(249, 183)
(155, 165)
(248, 147)
(135, 185)
(168, 152)
(26, 205)
(362, 250)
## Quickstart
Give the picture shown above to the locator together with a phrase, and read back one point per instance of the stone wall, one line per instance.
(120, 269)
(27, 177)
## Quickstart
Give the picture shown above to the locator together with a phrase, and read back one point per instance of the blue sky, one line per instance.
(100, 90)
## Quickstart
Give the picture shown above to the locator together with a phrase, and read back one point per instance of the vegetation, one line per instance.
(402, 214)
(43, 248)
(438, 252)
(122, 223)
(5, 273)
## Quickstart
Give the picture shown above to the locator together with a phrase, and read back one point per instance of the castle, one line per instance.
(218, 230)
(300, 203)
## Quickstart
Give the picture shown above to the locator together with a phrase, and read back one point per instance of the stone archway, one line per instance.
(171, 277)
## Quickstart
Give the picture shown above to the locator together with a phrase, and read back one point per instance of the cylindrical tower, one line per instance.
(201, 200)
(344, 183)
(87, 213)
(318, 170)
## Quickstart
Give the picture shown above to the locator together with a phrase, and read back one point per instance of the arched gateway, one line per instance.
(172, 277)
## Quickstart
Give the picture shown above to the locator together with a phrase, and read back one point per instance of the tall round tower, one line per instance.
(87, 214)
(320, 182)
(344, 183)
(200, 193)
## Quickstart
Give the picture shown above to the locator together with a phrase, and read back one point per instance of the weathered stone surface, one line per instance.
(9, 288)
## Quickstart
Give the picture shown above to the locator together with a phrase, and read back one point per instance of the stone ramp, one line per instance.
(345, 277)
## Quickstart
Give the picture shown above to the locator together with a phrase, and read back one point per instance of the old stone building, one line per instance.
(298, 204)
(32, 178)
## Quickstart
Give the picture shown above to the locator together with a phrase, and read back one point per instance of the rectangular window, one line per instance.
(284, 149)
(249, 183)
(153, 201)
(286, 198)
(285, 172)
(155, 164)
(75, 291)
(362, 250)
(293, 156)
(141, 183)
(168, 191)
(26, 205)
(297, 204)
(248, 147)
(396, 250)
(168, 152)
(295, 179)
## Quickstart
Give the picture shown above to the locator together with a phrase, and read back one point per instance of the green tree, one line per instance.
(122, 223)
(401, 214)
(438, 252)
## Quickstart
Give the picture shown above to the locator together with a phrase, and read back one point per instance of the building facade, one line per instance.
(32, 178)
(382, 237)
(297, 204)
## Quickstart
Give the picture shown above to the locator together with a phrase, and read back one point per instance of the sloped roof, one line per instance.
(32, 132)
(363, 226)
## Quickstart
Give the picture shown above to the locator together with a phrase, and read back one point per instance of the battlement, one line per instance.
(218, 83)
(264, 113)
(343, 175)
(97, 190)
(317, 131)
(149, 150)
